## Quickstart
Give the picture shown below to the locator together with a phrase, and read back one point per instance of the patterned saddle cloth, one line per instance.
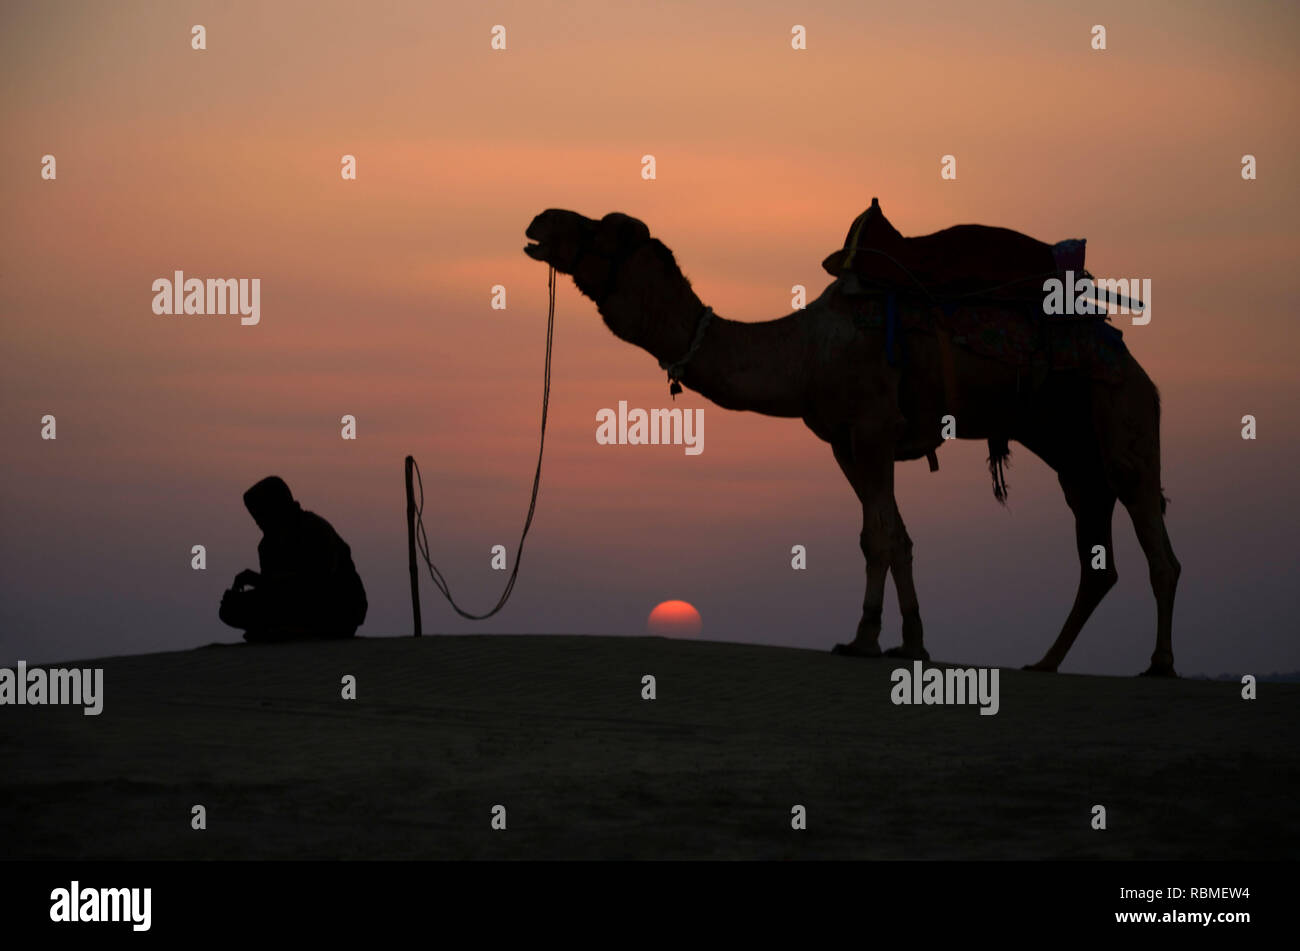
(1017, 334)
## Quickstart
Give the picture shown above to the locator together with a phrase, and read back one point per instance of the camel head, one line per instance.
(639, 290)
(589, 250)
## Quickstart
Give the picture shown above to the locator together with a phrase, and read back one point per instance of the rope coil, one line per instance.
(422, 539)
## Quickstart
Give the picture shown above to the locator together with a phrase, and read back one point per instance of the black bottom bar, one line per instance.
(451, 902)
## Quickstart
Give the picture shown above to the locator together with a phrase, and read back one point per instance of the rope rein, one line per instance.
(422, 540)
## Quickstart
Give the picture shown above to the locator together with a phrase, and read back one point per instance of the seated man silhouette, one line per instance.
(307, 587)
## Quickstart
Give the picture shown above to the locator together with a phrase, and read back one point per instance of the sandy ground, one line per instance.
(554, 729)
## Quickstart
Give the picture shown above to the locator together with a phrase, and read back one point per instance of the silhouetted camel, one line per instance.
(831, 365)
(308, 586)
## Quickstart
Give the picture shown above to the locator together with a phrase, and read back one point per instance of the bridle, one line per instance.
(678, 367)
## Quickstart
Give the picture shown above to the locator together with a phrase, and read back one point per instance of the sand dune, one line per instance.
(554, 728)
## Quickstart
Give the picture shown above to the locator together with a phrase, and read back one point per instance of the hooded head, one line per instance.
(271, 504)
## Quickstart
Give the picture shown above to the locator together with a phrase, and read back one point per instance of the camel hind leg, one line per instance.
(1147, 514)
(1130, 418)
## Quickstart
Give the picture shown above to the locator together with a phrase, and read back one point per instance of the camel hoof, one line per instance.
(908, 652)
(852, 650)
(1164, 670)
(1041, 667)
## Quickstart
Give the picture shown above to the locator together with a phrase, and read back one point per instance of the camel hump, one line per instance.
(963, 259)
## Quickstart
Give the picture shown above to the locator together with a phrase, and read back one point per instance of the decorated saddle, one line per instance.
(982, 287)
(964, 261)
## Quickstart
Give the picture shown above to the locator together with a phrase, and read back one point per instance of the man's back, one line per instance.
(308, 558)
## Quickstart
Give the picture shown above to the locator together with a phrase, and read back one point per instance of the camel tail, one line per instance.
(999, 453)
(1164, 499)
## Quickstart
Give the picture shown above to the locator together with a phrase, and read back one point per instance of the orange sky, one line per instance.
(375, 294)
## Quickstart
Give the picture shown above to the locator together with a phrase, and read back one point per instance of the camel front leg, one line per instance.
(901, 565)
(1093, 505)
(869, 467)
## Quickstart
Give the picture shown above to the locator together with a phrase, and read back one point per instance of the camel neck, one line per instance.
(759, 367)
(751, 366)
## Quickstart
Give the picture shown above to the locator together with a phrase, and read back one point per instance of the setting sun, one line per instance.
(674, 619)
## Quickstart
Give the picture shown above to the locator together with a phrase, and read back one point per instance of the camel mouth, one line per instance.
(534, 248)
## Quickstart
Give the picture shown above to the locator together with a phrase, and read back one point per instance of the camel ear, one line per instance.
(619, 233)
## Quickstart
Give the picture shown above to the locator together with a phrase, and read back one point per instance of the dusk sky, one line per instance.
(376, 294)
